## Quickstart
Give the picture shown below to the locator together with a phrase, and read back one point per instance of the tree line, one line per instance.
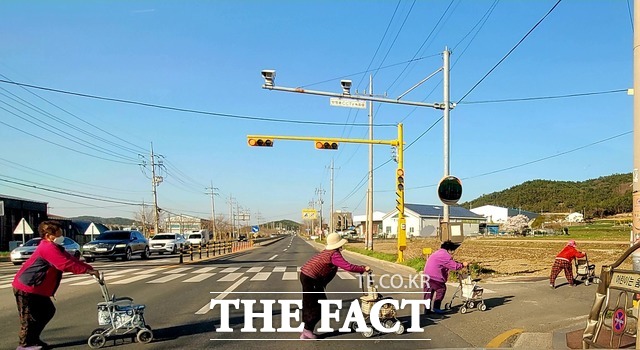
(595, 198)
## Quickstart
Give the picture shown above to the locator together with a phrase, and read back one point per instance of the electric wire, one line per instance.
(187, 110)
(510, 51)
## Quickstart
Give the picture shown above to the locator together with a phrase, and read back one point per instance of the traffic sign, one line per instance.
(255, 229)
(309, 214)
(23, 228)
(347, 102)
(619, 321)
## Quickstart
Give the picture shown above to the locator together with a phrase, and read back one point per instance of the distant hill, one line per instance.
(604, 196)
(117, 221)
(284, 224)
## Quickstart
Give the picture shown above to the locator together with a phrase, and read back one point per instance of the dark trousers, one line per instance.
(312, 292)
(435, 290)
(35, 312)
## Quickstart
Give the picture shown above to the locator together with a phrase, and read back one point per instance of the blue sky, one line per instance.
(207, 56)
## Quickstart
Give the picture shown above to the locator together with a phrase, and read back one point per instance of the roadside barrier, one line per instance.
(212, 248)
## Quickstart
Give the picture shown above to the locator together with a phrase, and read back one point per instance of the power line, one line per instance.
(186, 110)
(510, 51)
(546, 97)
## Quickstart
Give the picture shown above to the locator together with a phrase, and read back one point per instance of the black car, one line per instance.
(114, 244)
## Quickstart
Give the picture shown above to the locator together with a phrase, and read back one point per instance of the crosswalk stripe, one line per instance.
(230, 277)
(204, 270)
(256, 269)
(133, 279)
(200, 277)
(146, 272)
(203, 310)
(261, 276)
(178, 270)
(74, 279)
(92, 281)
(167, 278)
(290, 276)
(125, 271)
(346, 275)
(3, 286)
(280, 269)
(230, 269)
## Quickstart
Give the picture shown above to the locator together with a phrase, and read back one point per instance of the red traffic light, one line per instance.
(326, 145)
(261, 142)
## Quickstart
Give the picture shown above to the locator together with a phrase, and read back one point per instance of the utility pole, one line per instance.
(636, 124)
(155, 181)
(231, 215)
(312, 204)
(144, 220)
(446, 234)
(331, 227)
(369, 234)
(320, 192)
(212, 192)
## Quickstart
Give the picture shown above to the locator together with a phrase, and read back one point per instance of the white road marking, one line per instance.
(230, 277)
(178, 270)
(167, 278)
(146, 272)
(261, 276)
(230, 269)
(220, 296)
(256, 269)
(200, 277)
(280, 269)
(204, 269)
(273, 257)
(133, 279)
(290, 276)
(346, 275)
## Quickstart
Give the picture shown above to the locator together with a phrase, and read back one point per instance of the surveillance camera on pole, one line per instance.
(346, 87)
(269, 76)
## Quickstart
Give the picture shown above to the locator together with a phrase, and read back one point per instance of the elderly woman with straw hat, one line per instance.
(316, 274)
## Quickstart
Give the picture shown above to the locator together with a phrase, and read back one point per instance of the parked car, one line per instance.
(242, 238)
(24, 251)
(114, 244)
(166, 242)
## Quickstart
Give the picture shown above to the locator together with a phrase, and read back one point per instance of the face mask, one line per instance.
(59, 240)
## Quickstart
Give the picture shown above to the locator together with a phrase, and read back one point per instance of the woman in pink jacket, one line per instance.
(437, 271)
(37, 281)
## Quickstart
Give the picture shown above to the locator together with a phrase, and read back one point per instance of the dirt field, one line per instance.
(515, 256)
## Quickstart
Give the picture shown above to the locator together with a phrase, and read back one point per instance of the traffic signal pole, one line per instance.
(267, 141)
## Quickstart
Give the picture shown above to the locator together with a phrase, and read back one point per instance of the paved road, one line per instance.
(178, 297)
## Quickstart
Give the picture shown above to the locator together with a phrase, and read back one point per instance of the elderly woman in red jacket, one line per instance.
(563, 262)
(37, 281)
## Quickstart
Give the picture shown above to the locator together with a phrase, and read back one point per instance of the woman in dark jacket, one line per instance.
(316, 274)
(37, 281)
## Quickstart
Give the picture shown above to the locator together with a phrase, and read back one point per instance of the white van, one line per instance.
(198, 237)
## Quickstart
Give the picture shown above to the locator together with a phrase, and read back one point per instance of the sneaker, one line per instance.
(307, 334)
(30, 347)
(552, 286)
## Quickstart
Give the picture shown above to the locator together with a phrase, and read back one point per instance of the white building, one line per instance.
(574, 217)
(424, 220)
(495, 214)
(359, 222)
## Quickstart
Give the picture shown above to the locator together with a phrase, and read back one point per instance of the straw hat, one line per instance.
(334, 241)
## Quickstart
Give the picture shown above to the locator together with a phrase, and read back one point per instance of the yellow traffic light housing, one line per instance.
(260, 142)
(326, 145)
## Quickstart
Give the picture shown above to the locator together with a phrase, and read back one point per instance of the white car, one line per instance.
(166, 243)
(196, 238)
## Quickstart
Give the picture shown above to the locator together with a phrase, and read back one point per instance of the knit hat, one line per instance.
(571, 243)
(334, 241)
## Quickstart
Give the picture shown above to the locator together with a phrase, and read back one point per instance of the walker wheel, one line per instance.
(471, 304)
(482, 307)
(447, 306)
(400, 329)
(368, 333)
(463, 310)
(353, 326)
(586, 282)
(97, 331)
(144, 336)
(96, 341)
